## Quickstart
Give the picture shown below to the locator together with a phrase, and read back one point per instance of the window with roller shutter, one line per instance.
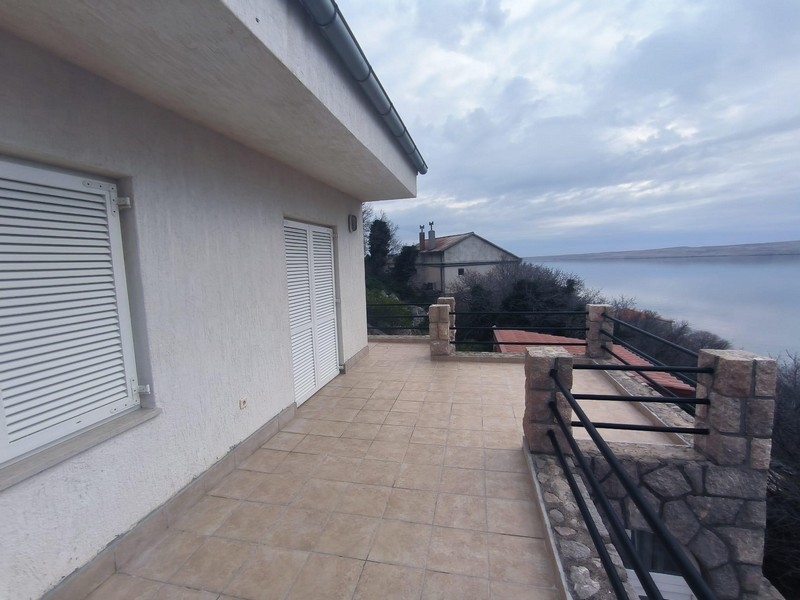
(312, 307)
(66, 351)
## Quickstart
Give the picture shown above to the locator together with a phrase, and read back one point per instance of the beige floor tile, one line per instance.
(362, 431)
(509, 440)
(367, 500)
(359, 392)
(498, 410)
(394, 433)
(316, 444)
(436, 409)
(419, 477)
(347, 535)
(401, 418)
(354, 448)
(473, 410)
(447, 586)
(506, 460)
(502, 590)
(388, 582)
(297, 529)
(333, 390)
(385, 394)
(340, 414)
(377, 472)
(513, 486)
(213, 564)
(465, 438)
(284, 440)
(469, 482)
(325, 576)
(429, 435)
(443, 395)
(352, 403)
(278, 488)
(125, 587)
(206, 515)
(400, 543)
(164, 558)
(383, 404)
(417, 506)
(463, 457)
(514, 517)
(500, 424)
(407, 406)
(265, 461)
(466, 422)
(319, 494)
(174, 592)
(268, 574)
(461, 512)
(337, 468)
(299, 464)
(298, 425)
(520, 560)
(432, 422)
(250, 521)
(371, 416)
(459, 551)
(417, 386)
(329, 428)
(425, 454)
(392, 451)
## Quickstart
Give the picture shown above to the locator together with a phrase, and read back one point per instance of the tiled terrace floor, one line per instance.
(404, 478)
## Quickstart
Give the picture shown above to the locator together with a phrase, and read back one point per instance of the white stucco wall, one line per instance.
(204, 251)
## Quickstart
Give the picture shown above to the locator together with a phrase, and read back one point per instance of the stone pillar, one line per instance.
(540, 389)
(595, 323)
(451, 302)
(439, 319)
(739, 417)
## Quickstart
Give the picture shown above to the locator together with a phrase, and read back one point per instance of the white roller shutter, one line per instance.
(66, 355)
(312, 307)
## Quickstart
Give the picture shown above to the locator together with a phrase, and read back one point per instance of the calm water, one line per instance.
(752, 301)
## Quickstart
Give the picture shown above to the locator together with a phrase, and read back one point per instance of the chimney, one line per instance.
(421, 238)
(431, 237)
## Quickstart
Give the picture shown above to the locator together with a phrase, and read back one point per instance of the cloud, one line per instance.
(586, 126)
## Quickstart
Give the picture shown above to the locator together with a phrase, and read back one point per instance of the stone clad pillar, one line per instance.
(739, 417)
(540, 389)
(595, 323)
(439, 323)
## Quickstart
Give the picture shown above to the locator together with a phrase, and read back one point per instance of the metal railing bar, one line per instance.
(420, 328)
(591, 526)
(376, 316)
(617, 527)
(531, 328)
(658, 399)
(501, 312)
(649, 358)
(419, 304)
(654, 428)
(517, 343)
(645, 368)
(653, 383)
(654, 336)
(687, 569)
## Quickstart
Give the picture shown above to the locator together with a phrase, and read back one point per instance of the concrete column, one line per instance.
(742, 395)
(595, 323)
(540, 389)
(439, 328)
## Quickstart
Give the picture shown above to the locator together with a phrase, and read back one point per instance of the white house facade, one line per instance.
(178, 265)
(441, 261)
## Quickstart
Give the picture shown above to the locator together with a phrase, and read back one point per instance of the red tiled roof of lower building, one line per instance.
(666, 380)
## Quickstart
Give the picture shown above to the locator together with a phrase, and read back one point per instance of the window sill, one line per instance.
(33, 464)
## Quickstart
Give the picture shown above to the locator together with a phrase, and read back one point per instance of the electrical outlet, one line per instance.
(242, 403)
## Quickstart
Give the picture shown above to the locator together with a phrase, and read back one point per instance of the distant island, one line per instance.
(737, 250)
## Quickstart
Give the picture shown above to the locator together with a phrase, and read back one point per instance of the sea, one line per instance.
(754, 302)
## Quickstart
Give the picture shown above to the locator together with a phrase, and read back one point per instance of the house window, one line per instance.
(461, 270)
(66, 349)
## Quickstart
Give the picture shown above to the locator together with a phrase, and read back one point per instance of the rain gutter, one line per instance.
(334, 28)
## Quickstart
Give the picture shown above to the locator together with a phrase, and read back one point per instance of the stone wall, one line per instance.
(440, 321)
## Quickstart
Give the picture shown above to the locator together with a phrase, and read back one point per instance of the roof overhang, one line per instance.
(256, 72)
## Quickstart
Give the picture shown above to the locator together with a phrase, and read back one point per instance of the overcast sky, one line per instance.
(555, 126)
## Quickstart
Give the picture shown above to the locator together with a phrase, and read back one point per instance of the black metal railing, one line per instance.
(470, 333)
(619, 536)
(380, 316)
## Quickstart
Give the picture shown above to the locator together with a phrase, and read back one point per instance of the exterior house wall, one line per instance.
(206, 275)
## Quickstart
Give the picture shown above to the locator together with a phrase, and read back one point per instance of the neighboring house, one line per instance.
(140, 344)
(442, 260)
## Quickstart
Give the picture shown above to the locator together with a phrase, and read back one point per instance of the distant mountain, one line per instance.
(768, 249)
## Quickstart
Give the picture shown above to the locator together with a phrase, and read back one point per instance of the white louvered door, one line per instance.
(66, 355)
(312, 307)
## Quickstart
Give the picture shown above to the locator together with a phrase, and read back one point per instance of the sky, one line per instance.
(557, 126)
